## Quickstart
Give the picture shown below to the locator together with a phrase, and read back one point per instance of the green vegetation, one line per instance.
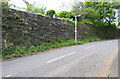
(22, 22)
(50, 13)
(57, 43)
(105, 10)
(12, 17)
(92, 13)
(4, 4)
(7, 26)
(33, 9)
(119, 18)
(108, 74)
(40, 14)
(97, 12)
(87, 21)
(67, 19)
(64, 14)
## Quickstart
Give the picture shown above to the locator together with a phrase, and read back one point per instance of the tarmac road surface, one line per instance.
(93, 59)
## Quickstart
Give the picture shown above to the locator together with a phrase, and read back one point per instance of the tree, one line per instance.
(105, 9)
(64, 14)
(87, 13)
(91, 14)
(4, 3)
(77, 8)
(119, 17)
(50, 13)
(101, 11)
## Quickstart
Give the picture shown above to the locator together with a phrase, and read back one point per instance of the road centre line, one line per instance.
(61, 57)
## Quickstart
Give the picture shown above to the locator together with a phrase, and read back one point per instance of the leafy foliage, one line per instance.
(89, 13)
(33, 9)
(77, 8)
(50, 13)
(97, 11)
(7, 26)
(87, 21)
(99, 23)
(105, 9)
(3, 4)
(64, 14)
(119, 17)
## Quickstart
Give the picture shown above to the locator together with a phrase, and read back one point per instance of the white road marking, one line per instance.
(11, 75)
(60, 57)
(109, 41)
(8, 76)
(89, 47)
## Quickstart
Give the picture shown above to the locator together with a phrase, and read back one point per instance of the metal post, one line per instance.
(75, 28)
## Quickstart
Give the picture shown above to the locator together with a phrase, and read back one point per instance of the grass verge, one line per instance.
(57, 43)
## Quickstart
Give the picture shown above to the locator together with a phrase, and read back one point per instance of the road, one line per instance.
(88, 60)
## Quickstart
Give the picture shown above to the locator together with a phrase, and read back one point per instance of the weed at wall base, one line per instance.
(57, 43)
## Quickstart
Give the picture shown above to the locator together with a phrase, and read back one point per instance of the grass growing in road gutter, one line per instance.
(108, 74)
(57, 43)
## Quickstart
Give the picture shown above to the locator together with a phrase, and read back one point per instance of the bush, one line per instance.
(50, 13)
(64, 14)
(38, 10)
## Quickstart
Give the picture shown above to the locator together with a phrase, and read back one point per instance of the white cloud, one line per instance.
(18, 3)
(49, 4)
(52, 4)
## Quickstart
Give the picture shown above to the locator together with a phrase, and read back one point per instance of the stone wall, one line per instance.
(25, 29)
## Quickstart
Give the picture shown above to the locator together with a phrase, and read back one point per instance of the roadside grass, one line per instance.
(108, 74)
(57, 43)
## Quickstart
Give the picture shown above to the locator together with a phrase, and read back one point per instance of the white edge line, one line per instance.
(8, 76)
(60, 57)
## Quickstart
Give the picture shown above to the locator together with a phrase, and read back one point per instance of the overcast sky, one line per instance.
(49, 4)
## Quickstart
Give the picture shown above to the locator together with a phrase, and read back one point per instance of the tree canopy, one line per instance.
(105, 9)
(64, 14)
(100, 11)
